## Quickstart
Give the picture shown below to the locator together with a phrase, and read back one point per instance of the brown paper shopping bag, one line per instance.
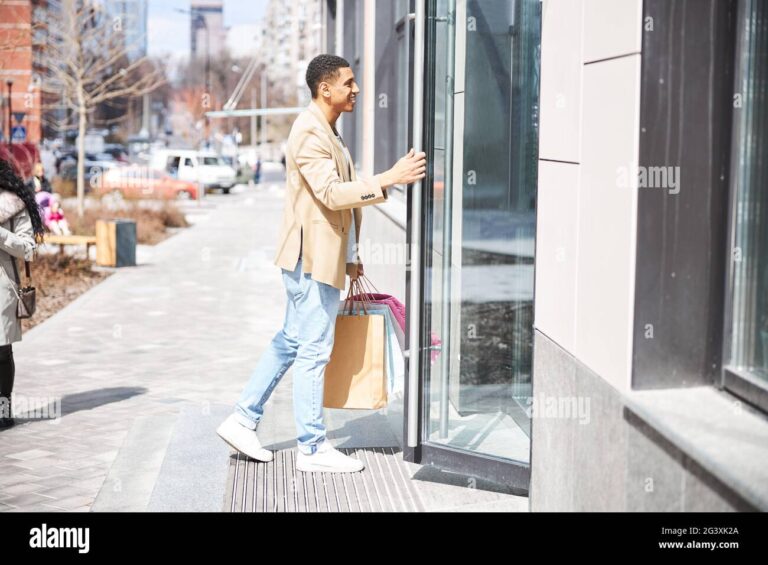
(355, 377)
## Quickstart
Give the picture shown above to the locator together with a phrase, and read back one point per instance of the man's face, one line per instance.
(342, 92)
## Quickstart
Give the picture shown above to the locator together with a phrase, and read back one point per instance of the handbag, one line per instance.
(26, 295)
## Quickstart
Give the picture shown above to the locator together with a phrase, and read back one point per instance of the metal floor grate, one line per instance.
(383, 486)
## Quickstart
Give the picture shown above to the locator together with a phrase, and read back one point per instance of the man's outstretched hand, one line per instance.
(408, 170)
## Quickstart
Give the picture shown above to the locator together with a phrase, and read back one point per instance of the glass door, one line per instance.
(478, 236)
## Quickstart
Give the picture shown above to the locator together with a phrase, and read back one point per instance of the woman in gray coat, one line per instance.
(20, 228)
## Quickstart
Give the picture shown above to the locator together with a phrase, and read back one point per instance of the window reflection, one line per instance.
(749, 338)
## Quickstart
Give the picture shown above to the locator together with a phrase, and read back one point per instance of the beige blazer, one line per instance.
(321, 197)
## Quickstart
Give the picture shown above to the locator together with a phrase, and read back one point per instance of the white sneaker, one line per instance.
(327, 459)
(243, 440)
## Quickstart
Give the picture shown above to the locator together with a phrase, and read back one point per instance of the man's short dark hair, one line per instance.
(323, 68)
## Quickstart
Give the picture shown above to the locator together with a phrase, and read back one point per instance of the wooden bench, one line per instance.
(62, 240)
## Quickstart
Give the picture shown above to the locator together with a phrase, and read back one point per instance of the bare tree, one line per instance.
(89, 63)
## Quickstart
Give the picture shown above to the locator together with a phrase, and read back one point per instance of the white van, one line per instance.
(201, 167)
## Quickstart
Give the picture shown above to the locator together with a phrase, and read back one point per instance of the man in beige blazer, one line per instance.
(316, 248)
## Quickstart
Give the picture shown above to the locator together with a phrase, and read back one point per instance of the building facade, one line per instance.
(21, 40)
(584, 265)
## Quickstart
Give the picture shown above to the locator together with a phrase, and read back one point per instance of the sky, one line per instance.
(169, 30)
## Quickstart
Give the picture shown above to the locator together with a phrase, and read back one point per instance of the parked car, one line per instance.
(140, 182)
(95, 166)
(201, 167)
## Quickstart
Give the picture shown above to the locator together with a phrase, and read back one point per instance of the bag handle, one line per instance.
(356, 295)
(361, 291)
(348, 300)
(361, 299)
(366, 284)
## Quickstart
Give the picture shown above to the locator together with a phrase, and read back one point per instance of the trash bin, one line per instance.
(116, 243)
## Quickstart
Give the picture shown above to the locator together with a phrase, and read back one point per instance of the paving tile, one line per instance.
(13, 475)
(65, 491)
(71, 503)
(22, 488)
(29, 454)
(28, 499)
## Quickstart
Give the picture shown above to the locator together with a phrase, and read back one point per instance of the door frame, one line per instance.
(416, 448)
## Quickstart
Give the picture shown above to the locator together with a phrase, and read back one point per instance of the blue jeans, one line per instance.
(305, 342)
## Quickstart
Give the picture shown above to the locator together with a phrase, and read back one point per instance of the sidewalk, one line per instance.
(148, 363)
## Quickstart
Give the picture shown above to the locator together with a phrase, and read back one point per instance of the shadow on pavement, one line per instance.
(99, 397)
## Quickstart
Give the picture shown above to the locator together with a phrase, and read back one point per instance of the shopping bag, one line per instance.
(355, 377)
(395, 361)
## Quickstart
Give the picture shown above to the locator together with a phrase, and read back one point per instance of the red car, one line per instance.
(140, 182)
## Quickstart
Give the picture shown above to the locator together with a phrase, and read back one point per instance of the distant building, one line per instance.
(207, 25)
(291, 37)
(133, 21)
